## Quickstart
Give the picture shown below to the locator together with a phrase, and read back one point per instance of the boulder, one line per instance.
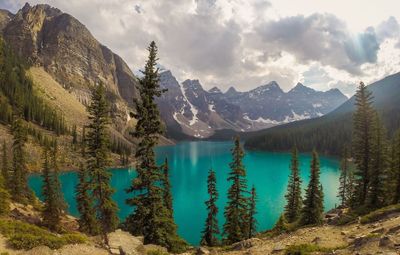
(202, 251)
(121, 242)
(279, 247)
(245, 244)
(394, 229)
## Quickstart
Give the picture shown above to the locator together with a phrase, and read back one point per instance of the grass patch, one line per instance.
(305, 249)
(157, 252)
(26, 236)
(380, 213)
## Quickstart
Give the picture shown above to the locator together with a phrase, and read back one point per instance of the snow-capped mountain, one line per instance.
(189, 110)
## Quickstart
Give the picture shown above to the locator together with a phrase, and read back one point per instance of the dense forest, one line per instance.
(329, 133)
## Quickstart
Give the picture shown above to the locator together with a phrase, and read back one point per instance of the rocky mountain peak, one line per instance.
(193, 85)
(167, 80)
(5, 18)
(215, 90)
(65, 48)
(271, 88)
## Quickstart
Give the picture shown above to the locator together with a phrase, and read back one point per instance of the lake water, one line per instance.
(189, 164)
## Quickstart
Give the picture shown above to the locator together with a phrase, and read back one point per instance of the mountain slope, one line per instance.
(328, 134)
(66, 49)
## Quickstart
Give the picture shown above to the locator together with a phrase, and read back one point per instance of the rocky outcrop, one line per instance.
(47, 37)
(5, 18)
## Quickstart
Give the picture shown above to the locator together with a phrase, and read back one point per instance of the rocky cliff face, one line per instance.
(5, 18)
(68, 51)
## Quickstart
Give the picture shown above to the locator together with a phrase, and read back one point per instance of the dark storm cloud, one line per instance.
(320, 37)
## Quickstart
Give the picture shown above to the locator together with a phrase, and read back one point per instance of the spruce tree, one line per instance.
(396, 168)
(363, 123)
(87, 220)
(311, 213)
(4, 198)
(252, 222)
(211, 229)
(61, 204)
(4, 165)
(19, 183)
(344, 180)
(378, 170)
(167, 187)
(281, 225)
(51, 212)
(74, 135)
(236, 217)
(150, 218)
(293, 194)
(98, 161)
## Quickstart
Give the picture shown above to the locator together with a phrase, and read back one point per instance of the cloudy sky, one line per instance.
(245, 43)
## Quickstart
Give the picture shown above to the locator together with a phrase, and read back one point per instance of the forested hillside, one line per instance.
(327, 134)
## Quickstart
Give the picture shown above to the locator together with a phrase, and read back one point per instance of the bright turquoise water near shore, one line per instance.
(189, 164)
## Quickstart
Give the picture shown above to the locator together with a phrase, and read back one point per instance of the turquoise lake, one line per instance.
(189, 164)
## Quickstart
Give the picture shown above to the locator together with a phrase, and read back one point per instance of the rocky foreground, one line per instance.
(380, 236)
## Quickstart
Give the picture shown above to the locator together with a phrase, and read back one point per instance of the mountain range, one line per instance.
(190, 109)
(328, 133)
(66, 61)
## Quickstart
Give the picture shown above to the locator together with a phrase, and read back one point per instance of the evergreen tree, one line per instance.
(87, 220)
(211, 229)
(98, 161)
(313, 208)
(83, 142)
(396, 168)
(74, 135)
(293, 194)
(150, 218)
(252, 212)
(281, 225)
(19, 184)
(344, 180)
(4, 164)
(51, 212)
(236, 222)
(363, 119)
(60, 202)
(4, 198)
(167, 187)
(375, 195)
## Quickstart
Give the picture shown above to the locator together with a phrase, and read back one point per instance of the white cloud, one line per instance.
(246, 43)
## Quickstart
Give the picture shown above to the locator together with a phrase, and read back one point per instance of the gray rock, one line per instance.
(245, 244)
(202, 251)
(279, 247)
(122, 242)
(378, 231)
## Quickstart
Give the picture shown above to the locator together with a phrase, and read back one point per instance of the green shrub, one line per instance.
(305, 249)
(177, 245)
(157, 252)
(380, 213)
(27, 236)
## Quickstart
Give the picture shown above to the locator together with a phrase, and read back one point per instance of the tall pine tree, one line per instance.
(51, 218)
(19, 183)
(98, 161)
(344, 182)
(167, 187)
(60, 202)
(151, 218)
(293, 194)
(236, 217)
(396, 168)
(378, 170)
(252, 222)
(87, 220)
(363, 125)
(211, 229)
(4, 164)
(313, 208)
